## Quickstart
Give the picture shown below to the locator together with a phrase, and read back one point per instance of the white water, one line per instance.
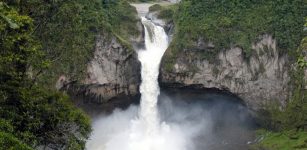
(180, 126)
(156, 43)
(147, 133)
(188, 127)
(142, 129)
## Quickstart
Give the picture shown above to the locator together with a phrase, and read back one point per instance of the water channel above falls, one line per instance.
(175, 119)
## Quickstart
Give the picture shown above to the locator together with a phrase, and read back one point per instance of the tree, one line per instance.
(38, 117)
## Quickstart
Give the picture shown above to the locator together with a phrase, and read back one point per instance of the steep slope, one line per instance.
(244, 47)
(113, 68)
(260, 80)
(113, 71)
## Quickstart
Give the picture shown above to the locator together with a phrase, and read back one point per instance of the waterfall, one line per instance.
(156, 42)
(139, 128)
(146, 130)
(179, 124)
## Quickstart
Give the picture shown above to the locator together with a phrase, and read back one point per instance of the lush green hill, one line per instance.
(229, 23)
(66, 31)
(240, 23)
(40, 40)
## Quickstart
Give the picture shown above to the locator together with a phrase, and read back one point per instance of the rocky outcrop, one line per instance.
(115, 68)
(168, 26)
(153, 16)
(258, 80)
(113, 71)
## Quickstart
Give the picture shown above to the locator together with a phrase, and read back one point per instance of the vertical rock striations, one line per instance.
(113, 71)
(260, 79)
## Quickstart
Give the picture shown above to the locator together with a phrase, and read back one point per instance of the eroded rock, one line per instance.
(259, 80)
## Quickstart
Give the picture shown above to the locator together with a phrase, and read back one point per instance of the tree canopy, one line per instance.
(30, 115)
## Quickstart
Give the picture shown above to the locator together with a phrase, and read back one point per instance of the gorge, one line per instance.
(114, 71)
(180, 121)
(153, 75)
(145, 132)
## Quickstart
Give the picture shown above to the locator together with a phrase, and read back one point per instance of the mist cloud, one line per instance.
(210, 121)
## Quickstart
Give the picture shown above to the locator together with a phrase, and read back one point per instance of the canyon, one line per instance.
(259, 80)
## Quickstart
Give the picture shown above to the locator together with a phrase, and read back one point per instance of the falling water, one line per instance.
(188, 126)
(156, 42)
(146, 133)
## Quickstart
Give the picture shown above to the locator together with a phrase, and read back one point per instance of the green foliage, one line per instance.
(67, 30)
(9, 142)
(18, 47)
(294, 115)
(6, 126)
(290, 123)
(123, 18)
(33, 114)
(301, 62)
(229, 23)
(286, 140)
(165, 12)
(155, 7)
(40, 40)
(41, 118)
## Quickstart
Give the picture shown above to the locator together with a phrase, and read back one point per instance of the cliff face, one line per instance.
(258, 80)
(217, 45)
(113, 71)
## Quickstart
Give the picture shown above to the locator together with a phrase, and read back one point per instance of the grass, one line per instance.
(285, 140)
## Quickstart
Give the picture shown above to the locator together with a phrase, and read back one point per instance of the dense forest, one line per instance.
(43, 39)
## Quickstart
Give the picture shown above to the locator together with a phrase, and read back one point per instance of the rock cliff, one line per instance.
(113, 71)
(258, 80)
